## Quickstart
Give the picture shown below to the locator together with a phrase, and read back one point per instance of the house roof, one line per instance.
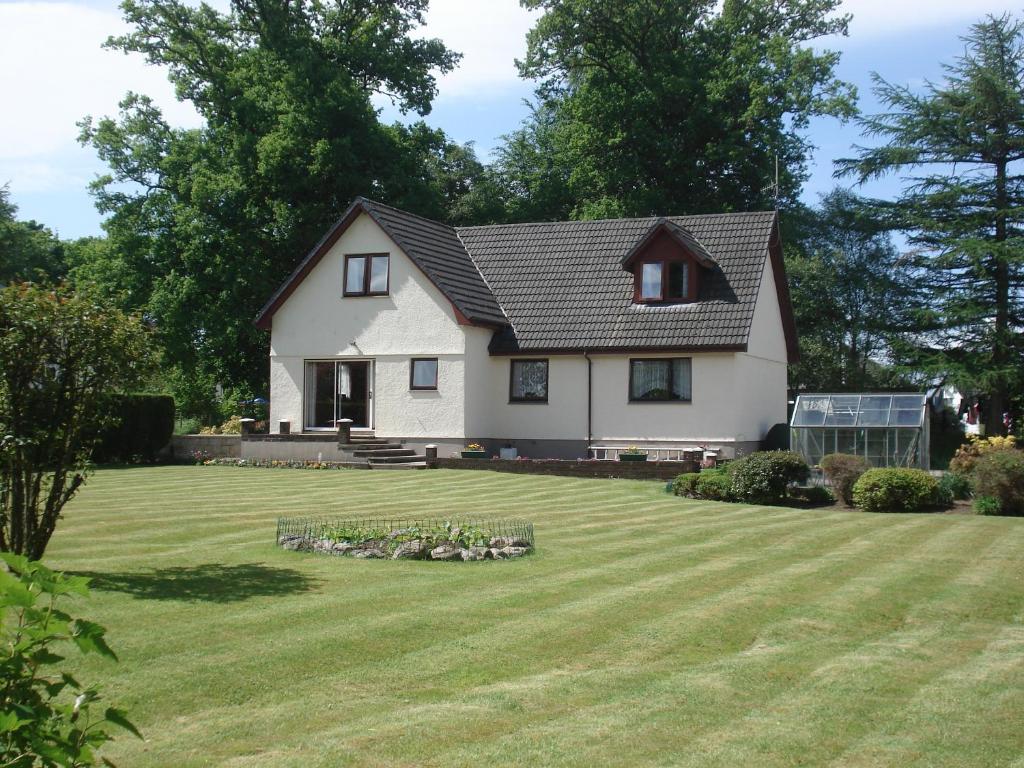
(560, 287)
(432, 246)
(563, 287)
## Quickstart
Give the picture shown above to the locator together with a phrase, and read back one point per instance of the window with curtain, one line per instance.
(366, 274)
(529, 381)
(424, 373)
(650, 280)
(661, 379)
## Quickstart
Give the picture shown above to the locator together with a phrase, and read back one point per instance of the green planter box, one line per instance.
(632, 457)
(474, 454)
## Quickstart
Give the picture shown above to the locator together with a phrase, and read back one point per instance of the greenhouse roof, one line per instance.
(868, 410)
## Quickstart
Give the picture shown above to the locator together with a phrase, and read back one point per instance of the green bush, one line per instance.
(842, 470)
(46, 717)
(987, 505)
(957, 486)
(685, 484)
(814, 494)
(762, 477)
(142, 426)
(714, 484)
(896, 490)
(1000, 475)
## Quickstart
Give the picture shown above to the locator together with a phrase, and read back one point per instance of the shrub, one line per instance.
(967, 455)
(842, 470)
(987, 505)
(714, 484)
(685, 484)
(233, 426)
(895, 490)
(814, 494)
(957, 486)
(1000, 475)
(762, 477)
(141, 426)
(47, 719)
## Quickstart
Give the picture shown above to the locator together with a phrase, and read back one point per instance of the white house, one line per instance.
(555, 338)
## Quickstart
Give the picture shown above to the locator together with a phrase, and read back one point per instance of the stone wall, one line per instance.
(633, 470)
(182, 447)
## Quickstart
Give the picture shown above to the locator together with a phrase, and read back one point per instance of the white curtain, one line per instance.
(661, 379)
(344, 381)
(530, 379)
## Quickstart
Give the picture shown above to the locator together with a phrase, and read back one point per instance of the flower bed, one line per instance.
(460, 540)
(280, 463)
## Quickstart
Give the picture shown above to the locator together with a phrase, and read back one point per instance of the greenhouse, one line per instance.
(889, 430)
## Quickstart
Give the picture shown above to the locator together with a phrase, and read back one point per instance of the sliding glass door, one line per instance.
(338, 390)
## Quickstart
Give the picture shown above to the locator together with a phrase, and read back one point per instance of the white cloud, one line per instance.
(490, 35)
(878, 18)
(56, 73)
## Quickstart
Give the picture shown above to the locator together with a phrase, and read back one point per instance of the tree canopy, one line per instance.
(28, 250)
(646, 107)
(961, 143)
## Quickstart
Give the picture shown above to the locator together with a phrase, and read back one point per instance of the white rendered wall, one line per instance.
(414, 320)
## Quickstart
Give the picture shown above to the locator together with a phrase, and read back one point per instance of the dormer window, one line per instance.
(667, 265)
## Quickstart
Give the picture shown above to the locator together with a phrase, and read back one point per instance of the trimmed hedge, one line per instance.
(896, 490)
(714, 484)
(762, 477)
(685, 484)
(142, 425)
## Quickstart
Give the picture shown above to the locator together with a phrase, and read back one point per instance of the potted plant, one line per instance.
(632, 454)
(474, 451)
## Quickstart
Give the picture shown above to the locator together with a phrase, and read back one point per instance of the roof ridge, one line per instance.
(483, 277)
(404, 212)
(652, 217)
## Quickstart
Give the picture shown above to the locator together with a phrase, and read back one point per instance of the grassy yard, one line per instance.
(647, 630)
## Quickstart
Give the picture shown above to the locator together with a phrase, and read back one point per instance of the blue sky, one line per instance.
(56, 73)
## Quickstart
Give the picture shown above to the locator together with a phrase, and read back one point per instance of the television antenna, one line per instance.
(773, 186)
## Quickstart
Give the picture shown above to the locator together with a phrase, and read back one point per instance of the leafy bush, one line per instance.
(957, 486)
(1000, 475)
(966, 457)
(47, 720)
(814, 494)
(685, 484)
(141, 426)
(896, 490)
(842, 470)
(714, 484)
(987, 505)
(762, 477)
(233, 426)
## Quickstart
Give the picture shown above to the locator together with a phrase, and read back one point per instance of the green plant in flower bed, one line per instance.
(987, 505)
(762, 477)
(714, 484)
(685, 484)
(842, 470)
(1000, 475)
(896, 490)
(813, 494)
(956, 486)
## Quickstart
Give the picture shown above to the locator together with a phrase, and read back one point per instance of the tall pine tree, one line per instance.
(961, 142)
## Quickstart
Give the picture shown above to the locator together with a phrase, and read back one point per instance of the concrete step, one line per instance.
(375, 453)
(382, 445)
(404, 458)
(410, 465)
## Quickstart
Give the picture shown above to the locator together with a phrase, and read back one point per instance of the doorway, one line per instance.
(338, 390)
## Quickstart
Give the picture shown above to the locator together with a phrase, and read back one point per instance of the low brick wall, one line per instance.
(633, 470)
(182, 447)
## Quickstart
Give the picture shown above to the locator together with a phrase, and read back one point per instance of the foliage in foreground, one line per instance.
(764, 476)
(47, 718)
(61, 355)
(897, 489)
(967, 455)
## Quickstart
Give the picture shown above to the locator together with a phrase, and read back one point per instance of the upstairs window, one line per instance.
(366, 274)
(664, 281)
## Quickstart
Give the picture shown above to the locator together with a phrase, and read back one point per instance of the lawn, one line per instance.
(647, 630)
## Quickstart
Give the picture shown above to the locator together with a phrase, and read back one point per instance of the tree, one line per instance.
(647, 106)
(964, 209)
(27, 249)
(204, 224)
(852, 297)
(61, 353)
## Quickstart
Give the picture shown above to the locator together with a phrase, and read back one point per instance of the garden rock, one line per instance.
(342, 548)
(514, 551)
(410, 550)
(500, 542)
(446, 552)
(368, 554)
(475, 553)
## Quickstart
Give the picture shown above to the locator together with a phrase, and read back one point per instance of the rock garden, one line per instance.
(449, 540)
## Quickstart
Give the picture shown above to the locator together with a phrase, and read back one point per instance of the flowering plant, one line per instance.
(474, 447)
(633, 451)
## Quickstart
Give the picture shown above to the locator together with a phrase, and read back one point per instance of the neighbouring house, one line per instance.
(560, 339)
